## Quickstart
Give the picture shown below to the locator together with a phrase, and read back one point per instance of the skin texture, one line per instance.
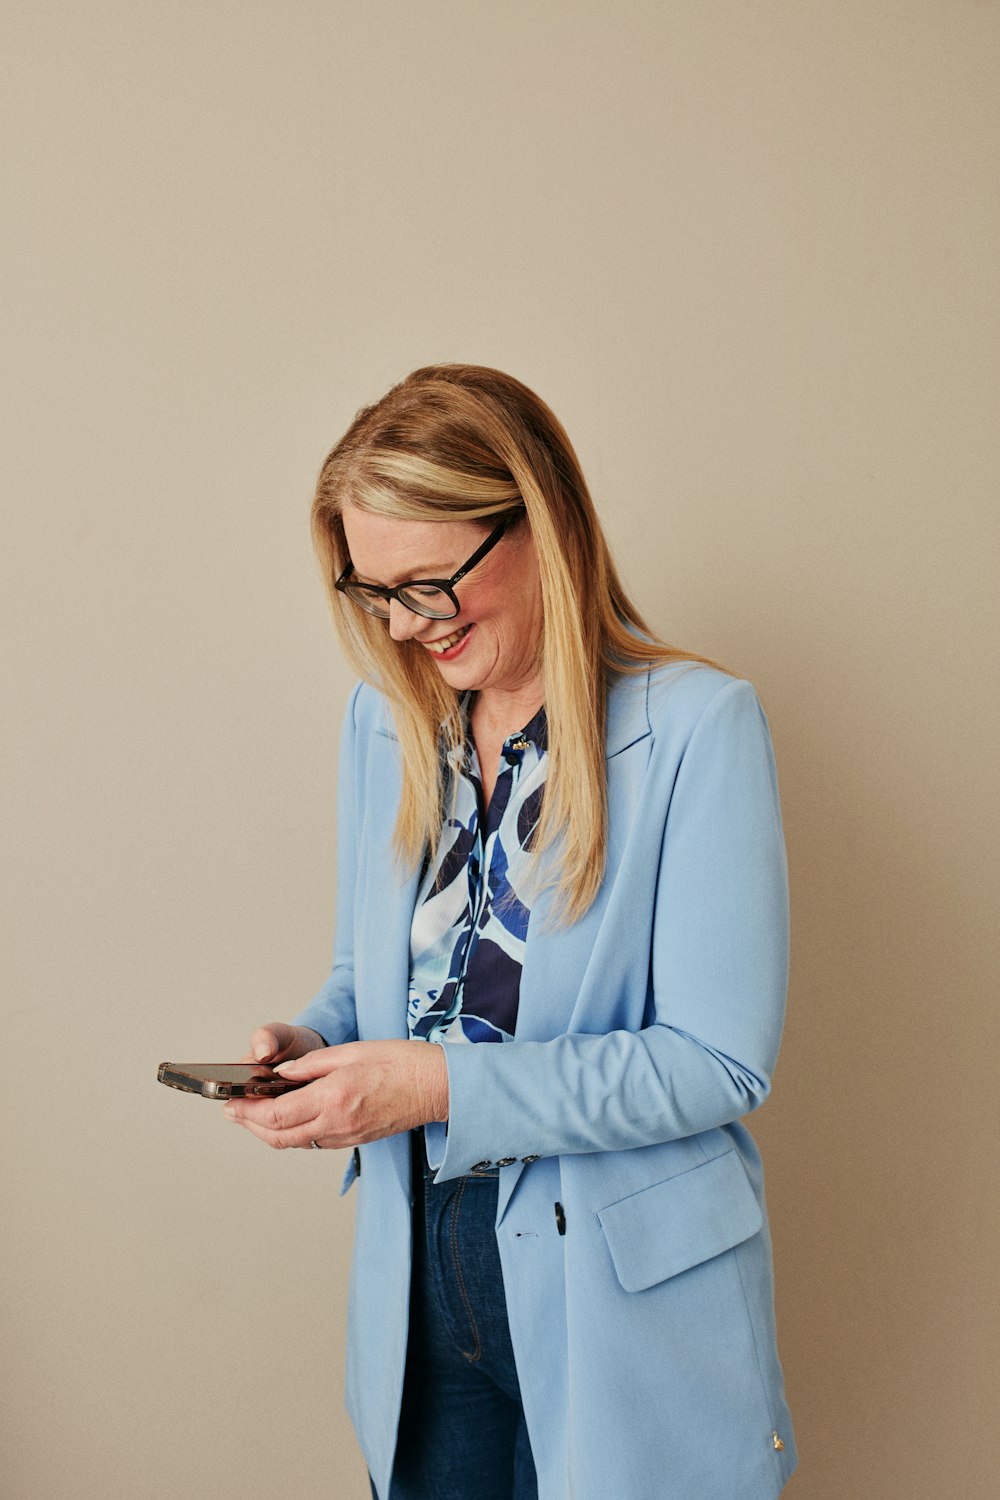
(362, 1091)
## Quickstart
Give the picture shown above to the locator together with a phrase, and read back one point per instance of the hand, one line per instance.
(357, 1092)
(277, 1042)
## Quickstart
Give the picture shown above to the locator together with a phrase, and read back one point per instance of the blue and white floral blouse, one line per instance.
(471, 915)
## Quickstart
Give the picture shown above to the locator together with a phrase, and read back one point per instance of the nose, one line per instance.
(403, 623)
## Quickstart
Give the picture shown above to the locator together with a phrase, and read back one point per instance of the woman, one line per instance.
(560, 836)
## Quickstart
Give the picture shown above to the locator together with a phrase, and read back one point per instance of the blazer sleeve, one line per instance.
(331, 1011)
(718, 973)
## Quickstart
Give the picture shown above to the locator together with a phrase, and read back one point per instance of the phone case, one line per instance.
(258, 1081)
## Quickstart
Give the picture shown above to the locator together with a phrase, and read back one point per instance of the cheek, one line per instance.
(503, 607)
(484, 606)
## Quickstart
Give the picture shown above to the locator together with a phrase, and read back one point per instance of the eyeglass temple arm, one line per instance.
(481, 552)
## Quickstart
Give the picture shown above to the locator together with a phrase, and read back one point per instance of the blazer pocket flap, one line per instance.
(680, 1222)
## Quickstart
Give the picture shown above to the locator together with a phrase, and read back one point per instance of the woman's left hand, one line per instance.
(357, 1092)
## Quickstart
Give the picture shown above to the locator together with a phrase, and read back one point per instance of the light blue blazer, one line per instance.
(643, 1324)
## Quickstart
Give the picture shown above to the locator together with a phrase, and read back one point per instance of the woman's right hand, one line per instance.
(277, 1042)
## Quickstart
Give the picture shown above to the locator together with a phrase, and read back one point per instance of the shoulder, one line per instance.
(680, 694)
(715, 721)
(674, 695)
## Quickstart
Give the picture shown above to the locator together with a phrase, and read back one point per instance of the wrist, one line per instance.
(439, 1092)
(309, 1040)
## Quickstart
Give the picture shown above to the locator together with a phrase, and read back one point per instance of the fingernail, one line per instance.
(229, 1112)
(261, 1051)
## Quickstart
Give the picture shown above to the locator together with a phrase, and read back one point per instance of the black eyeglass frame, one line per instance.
(445, 585)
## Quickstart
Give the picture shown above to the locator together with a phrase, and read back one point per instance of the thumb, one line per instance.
(268, 1042)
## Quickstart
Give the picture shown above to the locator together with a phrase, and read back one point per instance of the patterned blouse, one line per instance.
(471, 916)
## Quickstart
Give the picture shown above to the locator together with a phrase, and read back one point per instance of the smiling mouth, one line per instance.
(445, 642)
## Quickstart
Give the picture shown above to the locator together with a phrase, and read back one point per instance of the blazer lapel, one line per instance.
(628, 713)
(384, 950)
(390, 894)
(556, 959)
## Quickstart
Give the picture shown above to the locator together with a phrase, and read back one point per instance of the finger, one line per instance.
(276, 1114)
(318, 1063)
(282, 1140)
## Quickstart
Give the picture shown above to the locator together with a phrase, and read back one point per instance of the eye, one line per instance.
(427, 600)
(368, 598)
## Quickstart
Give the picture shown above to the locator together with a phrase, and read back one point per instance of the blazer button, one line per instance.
(530, 1158)
(506, 1161)
(480, 1166)
(560, 1219)
(357, 1160)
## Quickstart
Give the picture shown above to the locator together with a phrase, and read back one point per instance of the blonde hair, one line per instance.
(457, 442)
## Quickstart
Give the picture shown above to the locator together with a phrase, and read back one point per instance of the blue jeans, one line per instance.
(462, 1434)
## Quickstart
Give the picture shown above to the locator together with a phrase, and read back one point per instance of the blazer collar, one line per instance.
(627, 712)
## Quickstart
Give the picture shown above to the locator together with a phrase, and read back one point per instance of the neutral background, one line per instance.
(748, 253)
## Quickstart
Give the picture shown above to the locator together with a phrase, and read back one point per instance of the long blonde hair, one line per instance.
(457, 442)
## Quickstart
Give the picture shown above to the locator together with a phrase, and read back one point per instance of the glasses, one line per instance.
(432, 597)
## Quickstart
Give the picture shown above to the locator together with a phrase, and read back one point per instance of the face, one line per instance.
(493, 642)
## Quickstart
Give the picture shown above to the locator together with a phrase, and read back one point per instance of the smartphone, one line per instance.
(225, 1080)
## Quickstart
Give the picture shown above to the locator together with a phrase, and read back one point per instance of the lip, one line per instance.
(453, 651)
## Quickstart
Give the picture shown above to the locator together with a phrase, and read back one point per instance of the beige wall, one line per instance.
(749, 255)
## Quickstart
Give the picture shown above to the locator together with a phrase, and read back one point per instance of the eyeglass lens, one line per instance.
(434, 603)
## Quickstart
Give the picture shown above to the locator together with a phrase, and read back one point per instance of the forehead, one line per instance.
(387, 550)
